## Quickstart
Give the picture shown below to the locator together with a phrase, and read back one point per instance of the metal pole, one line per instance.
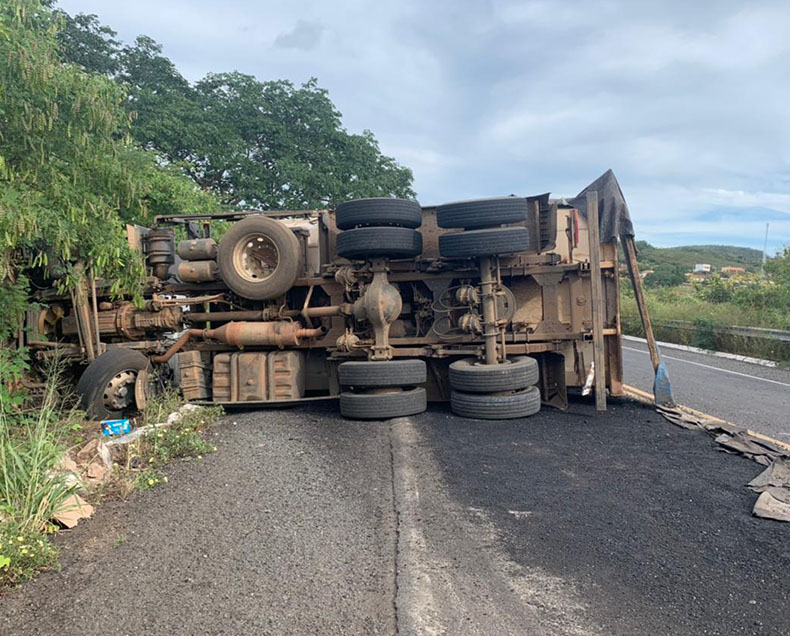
(489, 310)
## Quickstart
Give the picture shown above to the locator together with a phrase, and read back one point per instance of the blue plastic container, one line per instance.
(116, 427)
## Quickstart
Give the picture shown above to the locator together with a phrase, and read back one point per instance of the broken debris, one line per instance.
(769, 507)
(72, 510)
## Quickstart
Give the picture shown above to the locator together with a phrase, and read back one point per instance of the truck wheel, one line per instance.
(385, 373)
(384, 405)
(482, 212)
(373, 212)
(469, 374)
(259, 258)
(500, 240)
(379, 242)
(497, 406)
(107, 387)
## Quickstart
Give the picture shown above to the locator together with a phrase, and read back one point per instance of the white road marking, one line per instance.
(707, 352)
(708, 366)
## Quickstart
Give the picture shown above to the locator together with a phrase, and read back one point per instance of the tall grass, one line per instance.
(681, 303)
(31, 446)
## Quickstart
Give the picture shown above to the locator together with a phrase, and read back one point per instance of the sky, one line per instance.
(687, 101)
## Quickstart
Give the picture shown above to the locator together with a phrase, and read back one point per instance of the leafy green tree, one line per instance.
(255, 144)
(665, 275)
(716, 290)
(88, 43)
(778, 267)
(70, 174)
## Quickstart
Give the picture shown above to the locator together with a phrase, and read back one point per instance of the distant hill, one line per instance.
(686, 256)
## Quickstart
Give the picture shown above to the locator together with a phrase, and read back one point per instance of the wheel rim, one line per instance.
(256, 257)
(119, 391)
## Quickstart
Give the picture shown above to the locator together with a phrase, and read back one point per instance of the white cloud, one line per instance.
(686, 101)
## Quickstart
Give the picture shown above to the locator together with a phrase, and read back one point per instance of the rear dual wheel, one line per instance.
(494, 391)
(496, 406)
(379, 228)
(380, 390)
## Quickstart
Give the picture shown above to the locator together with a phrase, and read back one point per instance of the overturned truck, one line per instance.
(496, 305)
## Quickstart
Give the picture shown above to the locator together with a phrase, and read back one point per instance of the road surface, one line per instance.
(302, 523)
(744, 393)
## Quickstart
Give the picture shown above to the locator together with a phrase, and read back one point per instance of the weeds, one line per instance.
(182, 439)
(683, 303)
(23, 553)
(31, 489)
(148, 479)
(31, 446)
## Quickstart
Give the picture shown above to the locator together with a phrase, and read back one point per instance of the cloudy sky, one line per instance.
(687, 101)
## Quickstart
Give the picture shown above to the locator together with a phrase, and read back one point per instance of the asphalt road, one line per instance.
(302, 523)
(744, 393)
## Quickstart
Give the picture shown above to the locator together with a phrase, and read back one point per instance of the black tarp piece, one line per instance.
(615, 220)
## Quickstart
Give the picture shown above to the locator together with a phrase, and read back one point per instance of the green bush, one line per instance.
(702, 335)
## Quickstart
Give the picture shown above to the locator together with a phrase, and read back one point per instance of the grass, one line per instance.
(183, 439)
(23, 553)
(684, 304)
(32, 444)
(34, 441)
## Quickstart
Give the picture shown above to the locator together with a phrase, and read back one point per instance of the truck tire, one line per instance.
(469, 374)
(379, 242)
(375, 212)
(259, 258)
(490, 242)
(479, 213)
(366, 373)
(497, 406)
(382, 406)
(107, 387)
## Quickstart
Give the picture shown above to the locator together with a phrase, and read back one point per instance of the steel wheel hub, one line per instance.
(119, 392)
(256, 257)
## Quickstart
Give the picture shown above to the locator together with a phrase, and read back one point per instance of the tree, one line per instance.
(70, 174)
(255, 144)
(88, 43)
(778, 267)
(665, 275)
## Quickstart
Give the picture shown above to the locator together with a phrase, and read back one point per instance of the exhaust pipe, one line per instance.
(278, 333)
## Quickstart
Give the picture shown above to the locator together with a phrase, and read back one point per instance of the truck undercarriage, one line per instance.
(496, 305)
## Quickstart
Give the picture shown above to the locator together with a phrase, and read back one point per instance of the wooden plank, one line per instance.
(614, 345)
(639, 294)
(596, 284)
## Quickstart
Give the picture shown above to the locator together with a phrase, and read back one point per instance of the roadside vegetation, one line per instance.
(96, 134)
(746, 300)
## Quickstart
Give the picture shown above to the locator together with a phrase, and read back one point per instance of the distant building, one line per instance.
(646, 272)
(702, 268)
(731, 271)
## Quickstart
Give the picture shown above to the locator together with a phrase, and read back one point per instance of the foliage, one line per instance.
(778, 268)
(31, 446)
(70, 174)
(686, 304)
(183, 438)
(716, 290)
(149, 478)
(255, 144)
(686, 256)
(665, 275)
(702, 335)
(23, 553)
